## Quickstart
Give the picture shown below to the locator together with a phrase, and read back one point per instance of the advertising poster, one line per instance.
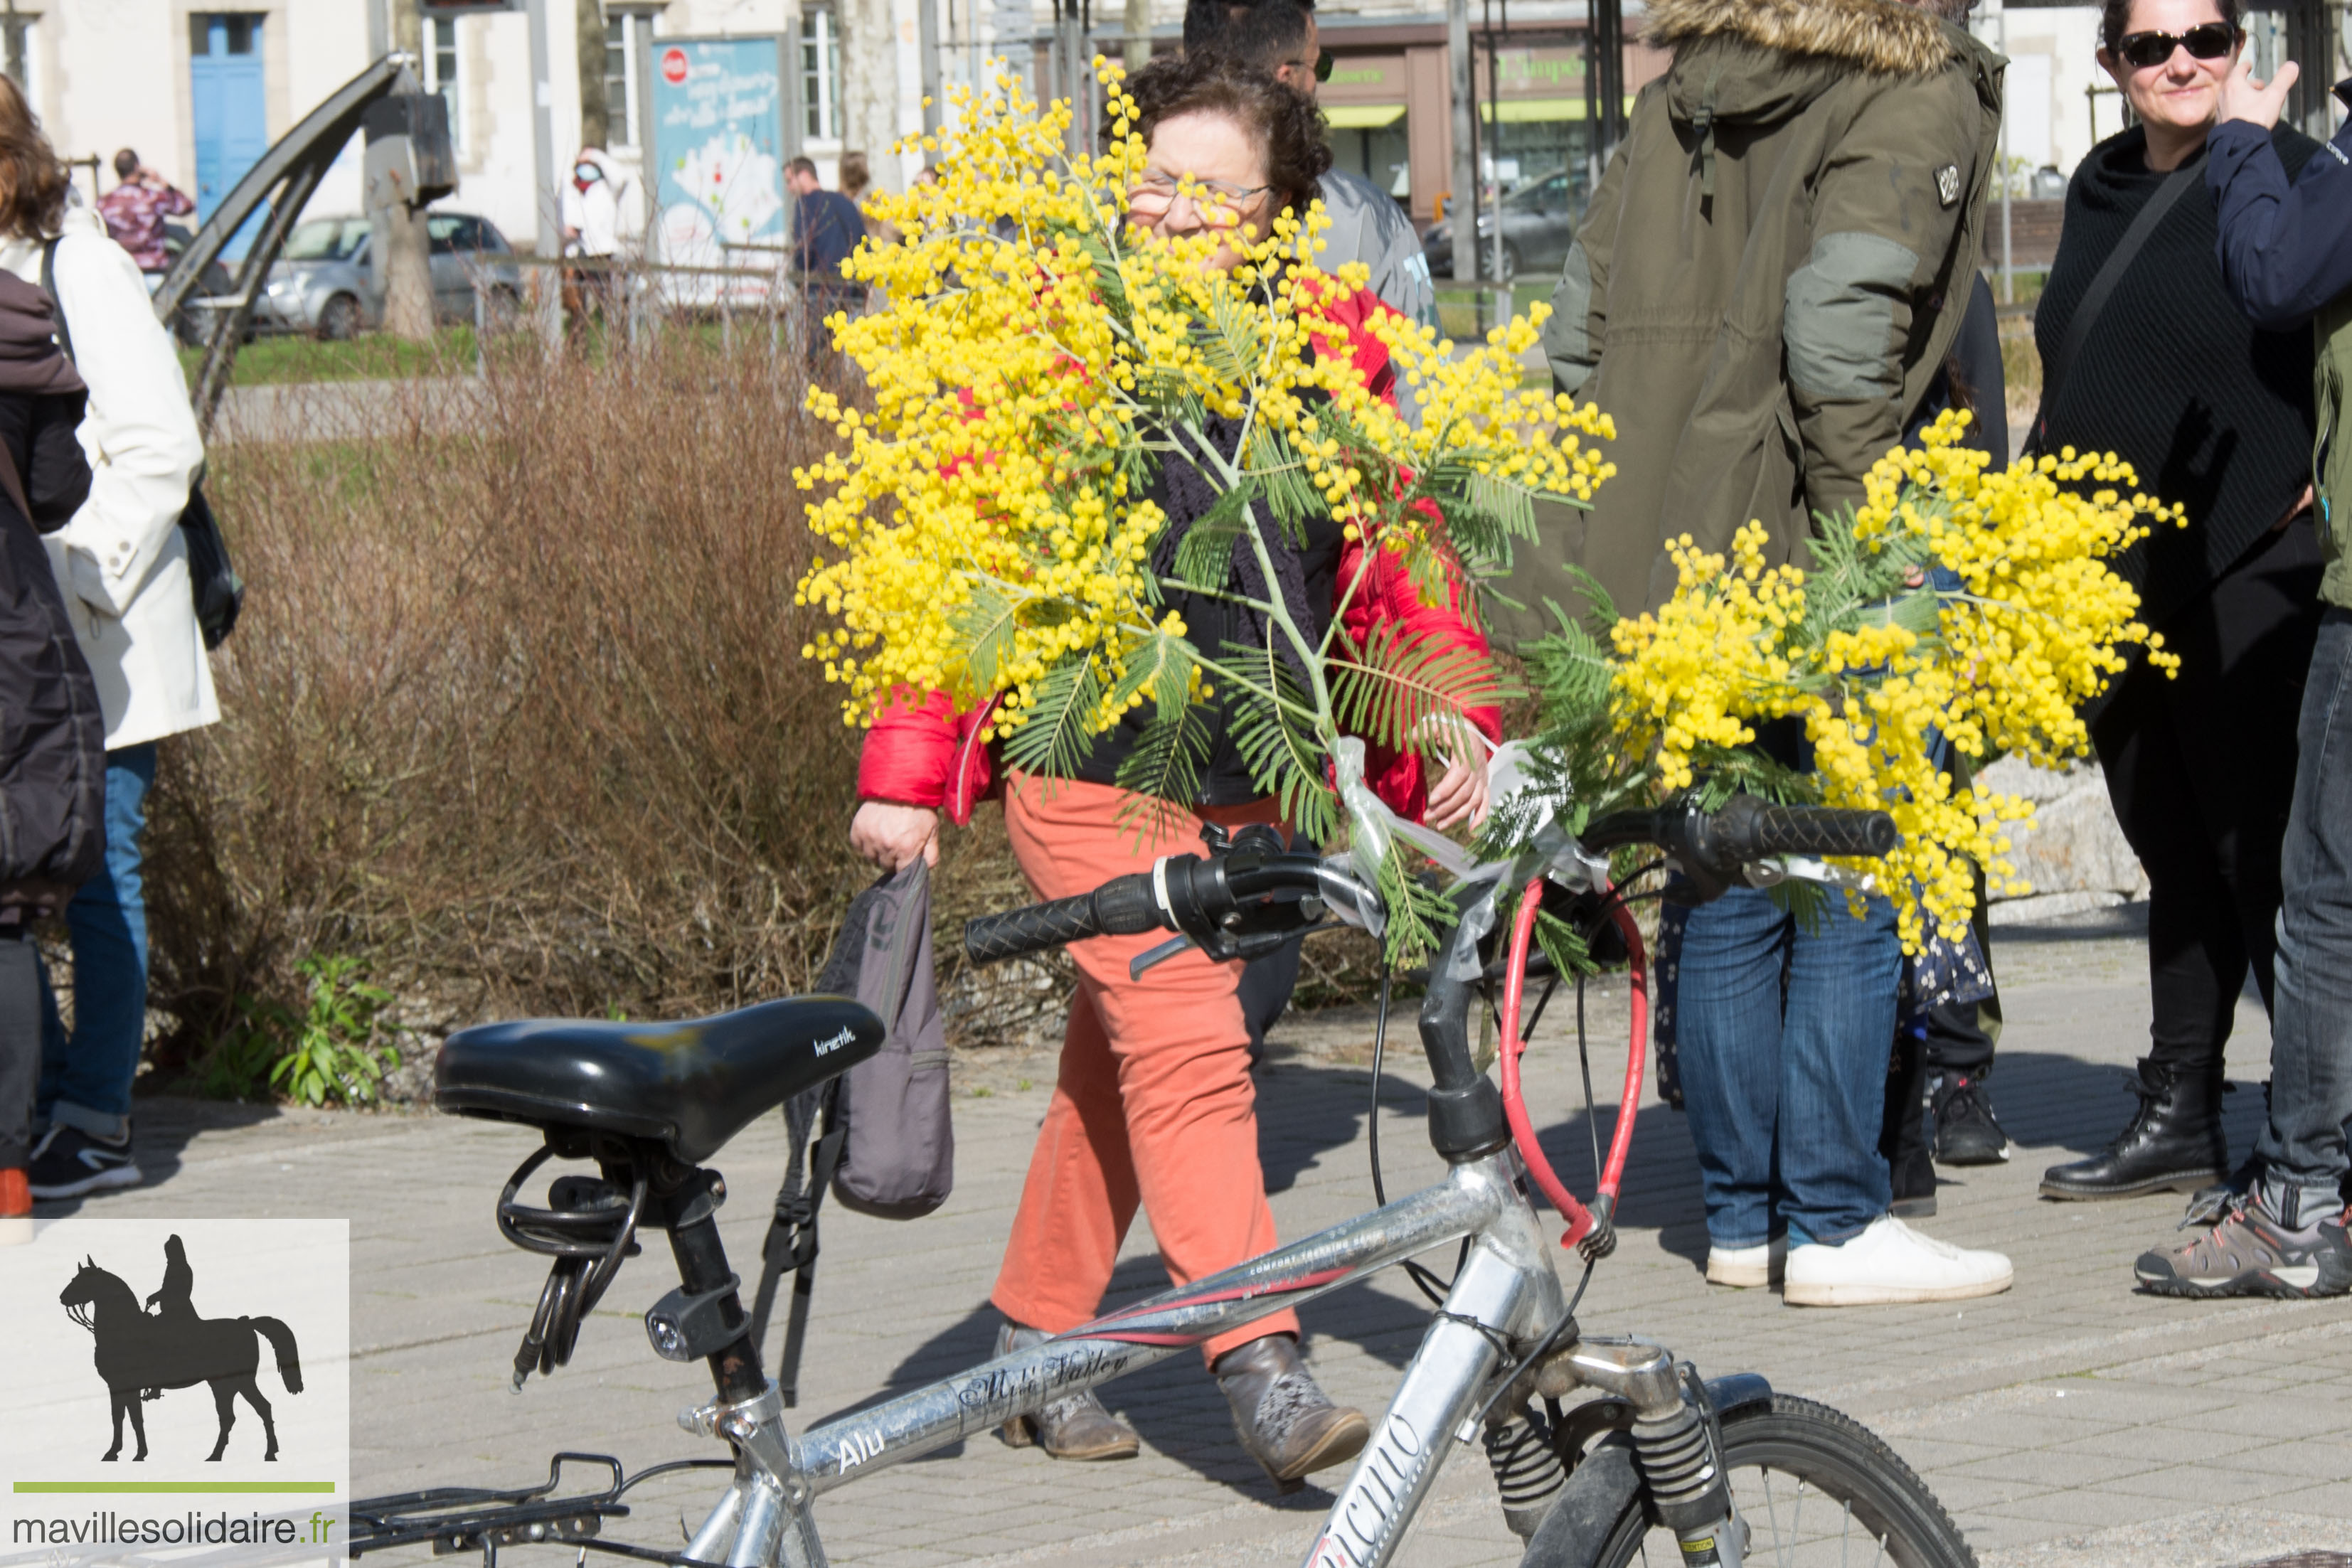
(719, 156)
(177, 1392)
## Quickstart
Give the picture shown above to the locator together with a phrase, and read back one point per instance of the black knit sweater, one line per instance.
(2173, 379)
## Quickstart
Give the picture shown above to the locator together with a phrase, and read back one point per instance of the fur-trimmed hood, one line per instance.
(1876, 35)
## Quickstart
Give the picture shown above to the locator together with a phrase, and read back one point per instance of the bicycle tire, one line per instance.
(1780, 1457)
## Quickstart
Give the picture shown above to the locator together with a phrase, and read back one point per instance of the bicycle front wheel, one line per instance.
(1815, 1488)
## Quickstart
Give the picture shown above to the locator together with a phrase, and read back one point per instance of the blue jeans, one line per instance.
(1783, 1036)
(2302, 1150)
(86, 1080)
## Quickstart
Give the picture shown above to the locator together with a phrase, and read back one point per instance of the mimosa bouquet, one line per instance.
(990, 531)
(1958, 605)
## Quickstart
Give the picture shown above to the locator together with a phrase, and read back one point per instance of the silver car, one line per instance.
(1540, 219)
(325, 280)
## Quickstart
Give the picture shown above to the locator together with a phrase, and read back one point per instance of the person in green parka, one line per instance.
(1767, 282)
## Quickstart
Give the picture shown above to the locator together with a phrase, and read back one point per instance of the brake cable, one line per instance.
(1429, 1285)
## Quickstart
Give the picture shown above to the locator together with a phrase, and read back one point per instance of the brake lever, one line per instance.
(1158, 955)
(1257, 945)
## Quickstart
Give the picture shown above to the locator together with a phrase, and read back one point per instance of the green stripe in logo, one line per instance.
(157, 1486)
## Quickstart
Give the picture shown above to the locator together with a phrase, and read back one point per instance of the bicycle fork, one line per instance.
(1507, 1292)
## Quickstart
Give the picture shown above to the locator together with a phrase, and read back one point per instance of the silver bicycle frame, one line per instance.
(1506, 1296)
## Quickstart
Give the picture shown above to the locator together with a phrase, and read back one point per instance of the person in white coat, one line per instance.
(123, 567)
(600, 220)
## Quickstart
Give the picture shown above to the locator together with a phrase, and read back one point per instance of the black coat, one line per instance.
(52, 735)
(2213, 414)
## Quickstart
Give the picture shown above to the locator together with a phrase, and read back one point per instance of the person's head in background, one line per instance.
(126, 164)
(2170, 59)
(33, 180)
(800, 175)
(1252, 146)
(1277, 36)
(855, 175)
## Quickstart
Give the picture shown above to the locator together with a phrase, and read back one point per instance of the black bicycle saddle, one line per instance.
(689, 1086)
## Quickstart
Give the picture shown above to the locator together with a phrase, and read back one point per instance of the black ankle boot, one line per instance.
(2174, 1140)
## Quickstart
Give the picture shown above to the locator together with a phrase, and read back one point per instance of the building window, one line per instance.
(224, 33)
(19, 57)
(820, 74)
(441, 73)
(627, 36)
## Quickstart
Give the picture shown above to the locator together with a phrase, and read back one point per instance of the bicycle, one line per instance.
(1663, 1465)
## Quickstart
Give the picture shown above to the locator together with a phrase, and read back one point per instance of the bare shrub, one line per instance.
(517, 713)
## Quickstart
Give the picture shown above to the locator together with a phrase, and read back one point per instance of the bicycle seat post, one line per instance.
(706, 1290)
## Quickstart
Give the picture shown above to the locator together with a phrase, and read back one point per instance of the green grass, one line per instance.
(285, 359)
(372, 356)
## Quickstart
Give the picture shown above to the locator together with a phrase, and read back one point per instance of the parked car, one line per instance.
(1540, 219)
(325, 280)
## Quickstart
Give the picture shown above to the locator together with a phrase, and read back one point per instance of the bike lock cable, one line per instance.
(1582, 1222)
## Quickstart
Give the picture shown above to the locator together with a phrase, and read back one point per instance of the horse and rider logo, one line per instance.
(144, 1351)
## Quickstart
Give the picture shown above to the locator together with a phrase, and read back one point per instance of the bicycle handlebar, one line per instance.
(1224, 899)
(1120, 907)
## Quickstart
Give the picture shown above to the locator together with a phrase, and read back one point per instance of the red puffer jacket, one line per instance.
(923, 752)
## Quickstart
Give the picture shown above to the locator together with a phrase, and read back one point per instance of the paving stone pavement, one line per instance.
(2067, 1423)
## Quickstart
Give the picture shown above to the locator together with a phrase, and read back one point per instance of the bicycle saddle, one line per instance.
(688, 1086)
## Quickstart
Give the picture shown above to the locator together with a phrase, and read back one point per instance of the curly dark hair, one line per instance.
(32, 178)
(2114, 20)
(1287, 124)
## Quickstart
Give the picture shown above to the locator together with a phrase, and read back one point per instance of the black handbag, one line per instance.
(213, 582)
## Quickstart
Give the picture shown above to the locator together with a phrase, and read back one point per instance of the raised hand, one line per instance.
(2259, 103)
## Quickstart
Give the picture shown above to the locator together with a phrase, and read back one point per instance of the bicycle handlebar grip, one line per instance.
(1120, 907)
(1820, 831)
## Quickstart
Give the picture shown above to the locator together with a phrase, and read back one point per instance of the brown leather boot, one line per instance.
(1077, 1428)
(1285, 1422)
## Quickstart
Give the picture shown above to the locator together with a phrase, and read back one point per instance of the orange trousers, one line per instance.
(1153, 1103)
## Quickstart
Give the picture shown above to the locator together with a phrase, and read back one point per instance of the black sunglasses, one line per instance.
(2209, 41)
(1323, 64)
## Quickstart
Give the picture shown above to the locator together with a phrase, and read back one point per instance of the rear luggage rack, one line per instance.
(468, 1518)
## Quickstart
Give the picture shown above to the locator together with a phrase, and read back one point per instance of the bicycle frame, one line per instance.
(1506, 1293)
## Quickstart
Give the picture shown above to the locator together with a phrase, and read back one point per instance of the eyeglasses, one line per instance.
(1220, 204)
(2209, 41)
(1324, 62)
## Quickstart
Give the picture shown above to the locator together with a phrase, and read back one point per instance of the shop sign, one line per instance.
(1357, 78)
(1538, 73)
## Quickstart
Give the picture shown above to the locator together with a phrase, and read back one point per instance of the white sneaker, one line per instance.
(1891, 1263)
(1747, 1268)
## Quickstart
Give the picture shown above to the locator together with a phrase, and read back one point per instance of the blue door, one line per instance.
(226, 105)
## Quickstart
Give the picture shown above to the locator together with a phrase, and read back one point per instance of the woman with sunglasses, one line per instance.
(2217, 417)
(1153, 1102)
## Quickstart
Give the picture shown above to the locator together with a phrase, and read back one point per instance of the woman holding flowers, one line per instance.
(1153, 1104)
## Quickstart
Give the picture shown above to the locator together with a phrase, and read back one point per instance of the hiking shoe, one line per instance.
(1747, 1267)
(15, 1209)
(1077, 1428)
(1891, 1263)
(68, 1163)
(2249, 1253)
(1966, 1132)
(1284, 1419)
